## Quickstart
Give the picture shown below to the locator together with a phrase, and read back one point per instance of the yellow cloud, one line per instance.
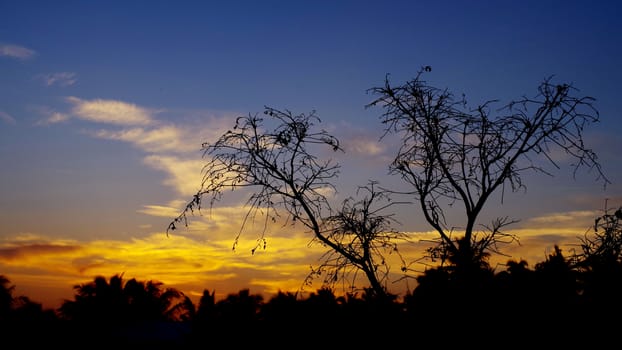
(201, 256)
(110, 111)
(160, 211)
(184, 175)
(46, 273)
(157, 140)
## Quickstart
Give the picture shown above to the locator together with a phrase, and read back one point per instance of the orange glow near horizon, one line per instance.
(46, 270)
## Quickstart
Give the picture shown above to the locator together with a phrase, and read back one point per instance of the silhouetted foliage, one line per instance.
(517, 288)
(134, 313)
(452, 154)
(6, 297)
(449, 292)
(24, 322)
(557, 278)
(599, 264)
(206, 311)
(603, 247)
(20, 308)
(282, 307)
(117, 301)
(131, 312)
(241, 308)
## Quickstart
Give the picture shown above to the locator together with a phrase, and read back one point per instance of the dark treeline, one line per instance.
(567, 297)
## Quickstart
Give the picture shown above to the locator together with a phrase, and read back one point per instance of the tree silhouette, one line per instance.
(116, 301)
(6, 297)
(451, 154)
(519, 284)
(282, 307)
(206, 310)
(291, 182)
(557, 280)
(216, 319)
(239, 308)
(364, 236)
(603, 247)
(20, 308)
(599, 264)
(132, 312)
(24, 321)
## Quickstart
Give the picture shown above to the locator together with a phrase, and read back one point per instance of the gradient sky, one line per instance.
(104, 106)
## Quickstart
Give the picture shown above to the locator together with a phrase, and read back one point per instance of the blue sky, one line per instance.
(104, 106)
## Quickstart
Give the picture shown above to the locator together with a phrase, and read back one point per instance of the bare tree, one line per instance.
(287, 181)
(603, 247)
(599, 265)
(450, 153)
(364, 236)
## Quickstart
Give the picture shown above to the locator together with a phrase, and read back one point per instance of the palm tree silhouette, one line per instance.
(133, 311)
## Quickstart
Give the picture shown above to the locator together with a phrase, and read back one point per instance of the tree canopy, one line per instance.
(455, 154)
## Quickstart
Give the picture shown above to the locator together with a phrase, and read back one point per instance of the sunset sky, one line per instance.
(104, 106)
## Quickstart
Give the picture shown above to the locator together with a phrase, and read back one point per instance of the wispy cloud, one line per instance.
(363, 146)
(174, 149)
(577, 218)
(160, 211)
(12, 253)
(165, 138)
(59, 79)
(7, 118)
(357, 141)
(110, 112)
(15, 51)
(53, 117)
(184, 175)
